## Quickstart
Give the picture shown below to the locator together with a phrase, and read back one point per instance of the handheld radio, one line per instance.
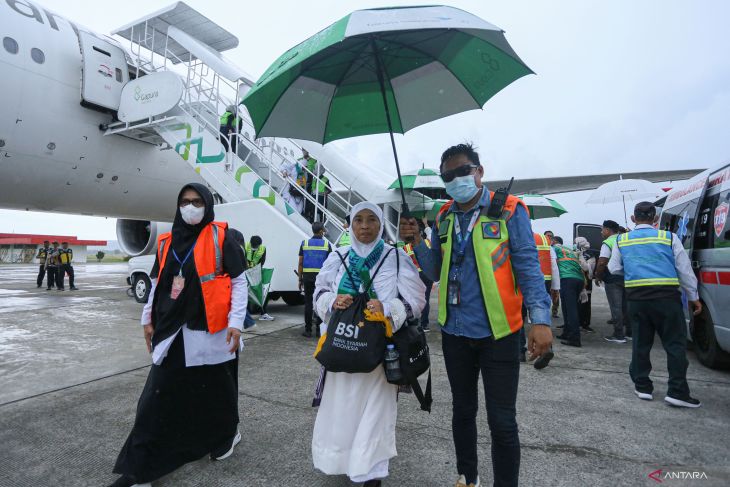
(498, 201)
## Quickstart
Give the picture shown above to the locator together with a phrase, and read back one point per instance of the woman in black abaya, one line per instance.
(189, 405)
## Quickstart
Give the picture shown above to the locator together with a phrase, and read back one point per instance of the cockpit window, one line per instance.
(37, 55)
(10, 45)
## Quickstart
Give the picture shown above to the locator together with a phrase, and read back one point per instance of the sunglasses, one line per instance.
(196, 202)
(448, 176)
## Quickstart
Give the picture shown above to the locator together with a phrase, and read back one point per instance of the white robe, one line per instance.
(354, 433)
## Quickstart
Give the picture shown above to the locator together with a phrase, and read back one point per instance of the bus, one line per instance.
(697, 212)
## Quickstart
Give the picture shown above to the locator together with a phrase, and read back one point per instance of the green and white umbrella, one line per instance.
(259, 282)
(429, 209)
(384, 70)
(542, 207)
(421, 179)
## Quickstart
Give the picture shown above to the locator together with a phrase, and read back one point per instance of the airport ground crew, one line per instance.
(52, 267)
(408, 249)
(572, 283)
(345, 237)
(255, 255)
(551, 273)
(42, 255)
(65, 257)
(312, 166)
(615, 291)
(321, 190)
(312, 254)
(230, 125)
(477, 260)
(655, 266)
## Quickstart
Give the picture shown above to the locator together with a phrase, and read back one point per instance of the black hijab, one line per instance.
(189, 308)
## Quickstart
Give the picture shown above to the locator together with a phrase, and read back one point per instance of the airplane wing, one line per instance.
(566, 184)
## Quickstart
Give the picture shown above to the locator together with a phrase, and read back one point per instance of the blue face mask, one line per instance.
(462, 189)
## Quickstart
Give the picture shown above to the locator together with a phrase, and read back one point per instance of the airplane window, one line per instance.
(119, 74)
(37, 55)
(10, 45)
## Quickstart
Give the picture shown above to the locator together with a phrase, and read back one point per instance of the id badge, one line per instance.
(178, 283)
(454, 296)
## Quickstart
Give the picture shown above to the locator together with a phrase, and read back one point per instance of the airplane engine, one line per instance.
(139, 237)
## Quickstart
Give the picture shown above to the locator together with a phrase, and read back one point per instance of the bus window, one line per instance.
(719, 221)
(680, 220)
(703, 230)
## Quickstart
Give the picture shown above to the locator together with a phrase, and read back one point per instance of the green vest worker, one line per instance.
(312, 254)
(255, 252)
(655, 267)
(486, 265)
(572, 283)
(615, 292)
(345, 237)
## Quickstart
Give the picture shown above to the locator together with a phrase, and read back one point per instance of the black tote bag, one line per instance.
(352, 343)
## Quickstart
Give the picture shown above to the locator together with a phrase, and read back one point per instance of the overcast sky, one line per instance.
(620, 86)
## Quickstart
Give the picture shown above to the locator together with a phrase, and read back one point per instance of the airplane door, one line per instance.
(104, 71)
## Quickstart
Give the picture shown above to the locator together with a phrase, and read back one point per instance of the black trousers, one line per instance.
(584, 309)
(310, 317)
(665, 317)
(51, 276)
(570, 289)
(498, 362)
(41, 275)
(64, 269)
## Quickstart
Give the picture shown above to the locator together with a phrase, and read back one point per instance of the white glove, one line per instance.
(583, 296)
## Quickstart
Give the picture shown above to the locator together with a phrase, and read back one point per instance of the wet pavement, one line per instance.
(72, 365)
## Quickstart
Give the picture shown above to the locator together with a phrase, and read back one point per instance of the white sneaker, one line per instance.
(690, 402)
(462, 482)
(266, 317)
(236, 441)
(644, 395)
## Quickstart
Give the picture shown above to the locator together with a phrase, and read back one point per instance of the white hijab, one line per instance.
(363, 249)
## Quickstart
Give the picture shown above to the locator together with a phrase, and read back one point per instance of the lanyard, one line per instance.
(463, 241)
(185, 259)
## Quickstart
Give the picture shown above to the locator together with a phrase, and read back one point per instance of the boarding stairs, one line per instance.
(210, 84)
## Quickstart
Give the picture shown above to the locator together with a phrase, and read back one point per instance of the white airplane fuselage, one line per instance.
(53, 156)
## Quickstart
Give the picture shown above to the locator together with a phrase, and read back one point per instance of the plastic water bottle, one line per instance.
(393, 371)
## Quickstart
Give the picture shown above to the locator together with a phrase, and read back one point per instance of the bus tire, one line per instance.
(706, 348)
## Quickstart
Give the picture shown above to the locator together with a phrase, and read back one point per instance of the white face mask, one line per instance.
(192, 215)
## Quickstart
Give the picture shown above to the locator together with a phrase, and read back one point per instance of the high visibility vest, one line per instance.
(42, 254)
(253, 256)
(611, 241)
(648, 258)
(226, 117)
(315, 252)
(214, 282)
(408, 249)
(543, 255)
(568, 263)
(490, 238)
(320, 187)
(66, 256)
(344, 239)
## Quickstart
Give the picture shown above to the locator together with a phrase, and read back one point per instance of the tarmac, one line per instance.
(72, 366)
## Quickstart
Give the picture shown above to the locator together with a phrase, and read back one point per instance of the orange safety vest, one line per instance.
(216, 285)
(502, 297)
(543, 255)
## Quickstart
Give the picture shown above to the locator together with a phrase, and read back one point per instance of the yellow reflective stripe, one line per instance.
(314, 247)
(543, 247)
(659, 281)
(311, 269)
(548, 278)
(649, 240)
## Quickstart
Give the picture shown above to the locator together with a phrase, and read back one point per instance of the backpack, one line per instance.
(412, 345)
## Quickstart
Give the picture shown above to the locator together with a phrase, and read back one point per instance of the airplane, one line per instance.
(114, 125)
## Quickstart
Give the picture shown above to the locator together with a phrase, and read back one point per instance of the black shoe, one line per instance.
(227, 451)
(372, 483)
(39, 286)
(688, 402)
(560, 337)
(48, 289)
(571, 343)
(543, 360)
(523, 357)
(611, 321)
(307, 334)
(614, 339)
(74, 288)
(588, 329)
